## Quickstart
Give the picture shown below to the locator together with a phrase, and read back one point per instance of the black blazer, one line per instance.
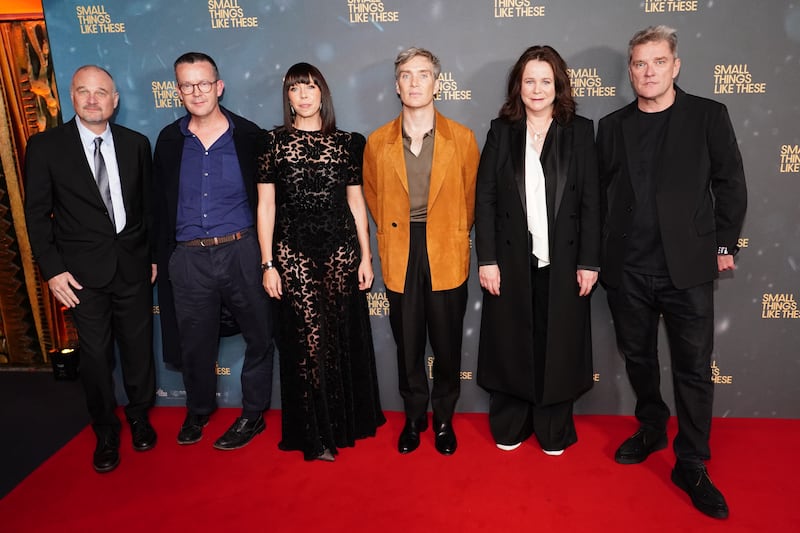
(68, 224)
(249, 140)
(501, 237)
(700, 188)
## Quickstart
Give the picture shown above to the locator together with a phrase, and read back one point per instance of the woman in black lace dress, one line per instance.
(312, 227)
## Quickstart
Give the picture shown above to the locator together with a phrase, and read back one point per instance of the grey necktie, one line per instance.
(101, 176)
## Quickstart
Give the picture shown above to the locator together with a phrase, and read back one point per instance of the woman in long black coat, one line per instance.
(537, 226)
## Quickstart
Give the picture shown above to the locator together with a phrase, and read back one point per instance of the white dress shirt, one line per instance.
(110, 158)
(536, 203)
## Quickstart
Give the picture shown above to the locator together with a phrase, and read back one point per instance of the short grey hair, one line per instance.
(653, 34)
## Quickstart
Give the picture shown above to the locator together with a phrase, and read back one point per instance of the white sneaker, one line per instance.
(553, 452)
(509, 447)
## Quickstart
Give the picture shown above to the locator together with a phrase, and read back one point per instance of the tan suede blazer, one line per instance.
(451, 202)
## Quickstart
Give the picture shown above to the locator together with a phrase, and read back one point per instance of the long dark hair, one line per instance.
(306, 73)
(564, 105)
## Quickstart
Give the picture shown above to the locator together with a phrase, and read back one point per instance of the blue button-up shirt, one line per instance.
(212, 200)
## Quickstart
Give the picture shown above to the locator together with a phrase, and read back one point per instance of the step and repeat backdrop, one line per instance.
(745, 54)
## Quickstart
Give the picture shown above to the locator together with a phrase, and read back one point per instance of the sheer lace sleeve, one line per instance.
(355, 152)
(266, 161)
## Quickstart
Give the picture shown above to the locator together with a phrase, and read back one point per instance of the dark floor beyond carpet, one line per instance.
(38, 415)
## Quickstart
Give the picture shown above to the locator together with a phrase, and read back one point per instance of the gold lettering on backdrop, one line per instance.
(779, 305)
(736, 79)
(587, 82)
(464, 375)
(516, 9)
(790, 158)
(165, 94)
(362, 11)
(448, 89)
(95, 19)
(717, 377)
(221, 370)
(669, 6)
(227, 14)
(377, 303)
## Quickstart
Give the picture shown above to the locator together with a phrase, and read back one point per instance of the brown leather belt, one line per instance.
(215, 241)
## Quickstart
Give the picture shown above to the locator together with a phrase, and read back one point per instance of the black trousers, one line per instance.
(419, 313)
(513, 419)
(120, 312)
(689, 319)
(203, 279)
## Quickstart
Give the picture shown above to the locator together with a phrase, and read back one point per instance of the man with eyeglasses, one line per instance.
(88, 211)
(204, 176)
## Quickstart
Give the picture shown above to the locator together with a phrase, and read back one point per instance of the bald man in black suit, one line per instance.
(88, 214)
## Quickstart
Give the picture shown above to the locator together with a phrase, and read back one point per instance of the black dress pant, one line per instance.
(513, 419)
(203, 279)
(689, 319)
(120, 312)
(419, 313)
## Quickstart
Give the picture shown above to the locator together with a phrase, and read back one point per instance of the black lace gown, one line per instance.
(329, 387)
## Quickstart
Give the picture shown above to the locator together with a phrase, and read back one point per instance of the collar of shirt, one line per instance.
(88, 137)
(184, 123)
(428, 133)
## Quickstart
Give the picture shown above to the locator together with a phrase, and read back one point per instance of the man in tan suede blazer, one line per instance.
(419, 183)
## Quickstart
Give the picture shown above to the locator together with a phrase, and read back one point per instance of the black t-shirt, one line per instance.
(645, 251)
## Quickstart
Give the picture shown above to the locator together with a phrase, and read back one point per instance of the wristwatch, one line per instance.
(267, 266)
(723, 250)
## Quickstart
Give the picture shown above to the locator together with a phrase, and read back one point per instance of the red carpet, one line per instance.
(373, 488)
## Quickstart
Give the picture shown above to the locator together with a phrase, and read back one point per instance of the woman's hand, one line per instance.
(272, 283)
(489, 276)
(586, 280)
(365, 274)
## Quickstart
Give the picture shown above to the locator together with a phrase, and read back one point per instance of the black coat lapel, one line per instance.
(88, 180)
(517, 150)
(673, 142)
(563, 155)
(125, 164)
(631, 139)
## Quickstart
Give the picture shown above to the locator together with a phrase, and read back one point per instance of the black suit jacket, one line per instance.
(249, 140)
(68, 225)
(701, 195)
(501, 237)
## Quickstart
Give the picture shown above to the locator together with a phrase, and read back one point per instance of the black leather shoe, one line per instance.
(192, 428)
(641, 444)
(106, 454)
(409, 437)
(240, 433)
(694, 480)
(143, 434)
(445, 438)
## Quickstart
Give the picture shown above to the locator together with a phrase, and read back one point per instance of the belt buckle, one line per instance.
(202, 243)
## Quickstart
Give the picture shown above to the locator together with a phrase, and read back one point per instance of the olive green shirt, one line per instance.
(418, 174)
